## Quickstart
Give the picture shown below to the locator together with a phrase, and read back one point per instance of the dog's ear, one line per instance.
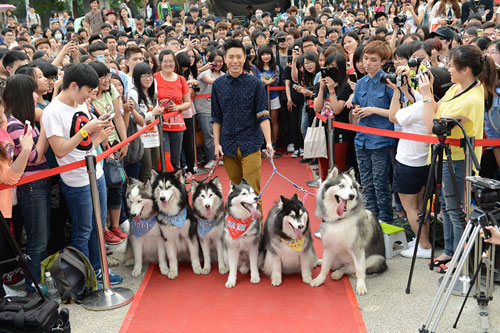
(194, 185)
(352, 172)
(148, 186)
(153, 176)
(334, 173)
(233, 185)
(295, 197)
(281, 202)
(179, 175)
(216, 182)
(244, 182)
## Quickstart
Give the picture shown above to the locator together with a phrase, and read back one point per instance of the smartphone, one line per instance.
(353, 77)
(107, 116)
(323, 72)
(101, 58)
(27, 124)
(164, 103)
(297, 48)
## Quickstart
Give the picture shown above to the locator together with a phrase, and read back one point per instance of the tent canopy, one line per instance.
(239, 7)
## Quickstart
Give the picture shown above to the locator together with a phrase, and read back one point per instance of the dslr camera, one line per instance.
(442, 127)
(398, 80)
(400, 20)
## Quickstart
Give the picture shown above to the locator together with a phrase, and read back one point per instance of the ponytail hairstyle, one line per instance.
(482, 67)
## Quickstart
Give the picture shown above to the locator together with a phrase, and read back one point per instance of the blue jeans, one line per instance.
(204, 120)
(172, 142)
(83, 225)
(34, 203)
(452, 225)
(374, 172)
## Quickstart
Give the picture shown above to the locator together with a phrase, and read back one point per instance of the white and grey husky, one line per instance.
(208, 208)
(177, 223)
(242, 232)
(352, 238)
(287, 244)
(145, 236)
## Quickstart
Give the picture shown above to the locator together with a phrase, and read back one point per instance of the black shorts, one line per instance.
(409, 180)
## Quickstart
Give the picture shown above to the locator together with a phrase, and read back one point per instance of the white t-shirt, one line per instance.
(409, 152)
(411, 20)
(65, 121)
(151, 138)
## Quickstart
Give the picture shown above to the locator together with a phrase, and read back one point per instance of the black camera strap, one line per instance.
(465, 91)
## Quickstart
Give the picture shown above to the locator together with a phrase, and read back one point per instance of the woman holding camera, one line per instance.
(464, 101)
(445, 12)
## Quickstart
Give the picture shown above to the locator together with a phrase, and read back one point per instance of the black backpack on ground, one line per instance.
(32, 314)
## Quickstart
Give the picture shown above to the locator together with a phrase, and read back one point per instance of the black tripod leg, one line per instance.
(424, 213)
(17, 250)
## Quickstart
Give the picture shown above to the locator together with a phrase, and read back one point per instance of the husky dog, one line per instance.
(287, 243)
(242, 233)
(352, 238)
(177, 223)
(208, 208)
(145, 236)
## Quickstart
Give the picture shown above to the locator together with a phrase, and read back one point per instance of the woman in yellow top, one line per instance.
(469, 71)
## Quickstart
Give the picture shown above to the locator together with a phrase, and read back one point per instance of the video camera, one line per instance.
(486, 191)
(442, 127)
(400, 20)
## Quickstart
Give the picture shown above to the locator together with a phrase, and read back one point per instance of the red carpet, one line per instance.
(194, 303)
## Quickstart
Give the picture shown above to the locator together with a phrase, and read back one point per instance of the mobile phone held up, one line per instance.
(165, 103)
(329, 72)
(353, 78)
(27, 125)
(107, 116)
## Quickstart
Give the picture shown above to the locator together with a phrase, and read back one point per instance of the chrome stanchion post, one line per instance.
(107, 298)
(162, 145)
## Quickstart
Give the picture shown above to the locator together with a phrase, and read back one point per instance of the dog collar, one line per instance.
(176, 220)
(294, 244)
(205, 226)
(237, 227)
(143, 226)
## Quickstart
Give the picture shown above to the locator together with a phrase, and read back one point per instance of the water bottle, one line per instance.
(52, 292)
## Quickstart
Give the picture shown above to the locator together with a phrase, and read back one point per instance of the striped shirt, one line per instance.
(16, 129)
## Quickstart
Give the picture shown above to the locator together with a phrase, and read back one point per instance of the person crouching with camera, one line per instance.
(464, 101)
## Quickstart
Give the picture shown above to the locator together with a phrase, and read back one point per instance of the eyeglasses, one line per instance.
(146, 76)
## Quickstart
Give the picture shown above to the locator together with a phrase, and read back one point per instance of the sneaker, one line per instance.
(412, 242)
(14, 278)
(119, 232)
(421, 252)
(113, 278)
(209, 165)
(304, 160)
(313, 183)
(295, 153)
(301, 151)
(313, 161)
(199, 171)
(290, 148)
(111, 238)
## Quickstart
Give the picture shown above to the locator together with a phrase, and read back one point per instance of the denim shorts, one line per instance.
(409, 180)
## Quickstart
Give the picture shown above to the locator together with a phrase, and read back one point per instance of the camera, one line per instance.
(398, 80)
(400, 20)
(196, 88)
(486, 191)
(281, 39)
(415, 62)
(329, 72)
(449, 22)
(442, 127)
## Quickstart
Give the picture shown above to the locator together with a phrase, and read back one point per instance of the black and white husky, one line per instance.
(145, 236)
(242, 233)
(177, 223)
(208, 208)
(287, 244)
(352, 238)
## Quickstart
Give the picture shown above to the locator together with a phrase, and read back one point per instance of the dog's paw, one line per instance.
(230, 283)
(129, 262)
(316, 282)
(361, 288)
(164, 269)
(205, 270)
(172, 273)
(197, 269)
(255, 278)
(338, 274)
(307, 278)
(223, 269)
(318, 262)
(136, 272)
(276, 279)
(113, 261)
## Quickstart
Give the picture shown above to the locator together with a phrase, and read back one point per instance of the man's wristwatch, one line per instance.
(428, 100)
(83, 133)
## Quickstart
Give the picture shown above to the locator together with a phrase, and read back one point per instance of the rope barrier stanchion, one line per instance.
(107, 298)
(163, 163)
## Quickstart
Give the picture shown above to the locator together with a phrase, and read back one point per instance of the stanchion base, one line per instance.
(103, 300)
(461, 286)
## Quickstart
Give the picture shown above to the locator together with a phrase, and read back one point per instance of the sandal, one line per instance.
(442, 269)
(438, 262)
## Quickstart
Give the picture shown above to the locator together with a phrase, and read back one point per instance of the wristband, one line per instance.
(83, 133)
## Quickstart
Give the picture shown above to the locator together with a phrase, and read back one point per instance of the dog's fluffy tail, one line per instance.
(375, 264)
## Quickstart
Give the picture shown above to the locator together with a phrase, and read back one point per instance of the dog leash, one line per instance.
(210, 173)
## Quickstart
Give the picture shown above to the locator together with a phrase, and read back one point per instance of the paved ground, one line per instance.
(386, 307)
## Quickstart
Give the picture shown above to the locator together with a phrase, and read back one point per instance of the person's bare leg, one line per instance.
(412, 204)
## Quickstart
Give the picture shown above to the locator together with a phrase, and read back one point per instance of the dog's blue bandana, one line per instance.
(143, 226)
(205, 226)
(176, 220)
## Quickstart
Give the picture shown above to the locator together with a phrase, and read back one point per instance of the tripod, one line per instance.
(479, 219)
(433, 190)
(20, 258)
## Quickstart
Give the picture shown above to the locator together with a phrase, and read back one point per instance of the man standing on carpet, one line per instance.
(239, 108)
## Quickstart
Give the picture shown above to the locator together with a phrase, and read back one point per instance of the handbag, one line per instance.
(113, 171)
(315, 141)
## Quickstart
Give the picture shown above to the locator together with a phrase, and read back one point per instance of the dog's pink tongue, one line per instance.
(255, 213)
(137, 218)
(298, 233)
(340, 207)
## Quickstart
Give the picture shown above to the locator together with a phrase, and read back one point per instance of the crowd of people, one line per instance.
(68, 91)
